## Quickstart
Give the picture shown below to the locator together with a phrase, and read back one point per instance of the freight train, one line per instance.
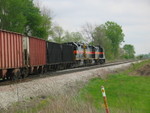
(21, 56)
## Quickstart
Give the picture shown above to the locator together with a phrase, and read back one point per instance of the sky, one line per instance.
(132, 15)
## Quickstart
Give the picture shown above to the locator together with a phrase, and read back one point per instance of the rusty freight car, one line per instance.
(21, 55)
(37, 55)
(11, 54)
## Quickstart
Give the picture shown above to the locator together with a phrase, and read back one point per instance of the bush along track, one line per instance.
(125, 93)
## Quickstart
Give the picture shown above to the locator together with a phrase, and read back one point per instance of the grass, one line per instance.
(125, 94)
(32, 105)
(68, 102)
(136, 66)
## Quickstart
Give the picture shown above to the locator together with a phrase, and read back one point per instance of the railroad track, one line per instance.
(60, 72)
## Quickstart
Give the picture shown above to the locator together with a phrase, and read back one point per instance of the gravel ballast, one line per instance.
(49, 85)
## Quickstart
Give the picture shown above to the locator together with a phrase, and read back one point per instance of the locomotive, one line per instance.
(21, 56)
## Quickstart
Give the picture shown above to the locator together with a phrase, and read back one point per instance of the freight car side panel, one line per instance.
(11, 50)
(54, 55)
(37, 49)
(67, 53)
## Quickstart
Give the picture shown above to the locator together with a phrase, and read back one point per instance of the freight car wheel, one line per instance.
(16, 76)
(25, 73)
(45, 70)
(40, 70)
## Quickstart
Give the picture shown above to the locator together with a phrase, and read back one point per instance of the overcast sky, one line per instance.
(132, 15)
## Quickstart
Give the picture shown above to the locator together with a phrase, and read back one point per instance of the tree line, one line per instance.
(110, 36)
(144, 56)
(23, 16)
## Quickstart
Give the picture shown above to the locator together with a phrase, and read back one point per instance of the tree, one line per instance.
(24, 17)
(100, 38)
(114, 32)
(129, 51)
(46, 19)
(88, 30)
(34, 24)
(99, 35)
(58, 33)
(143, 56)
(73, 37)
(109, 36)
(11, 17)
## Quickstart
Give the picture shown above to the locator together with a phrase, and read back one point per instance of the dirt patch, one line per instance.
(144, 71)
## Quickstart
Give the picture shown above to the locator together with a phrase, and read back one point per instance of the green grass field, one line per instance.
(125, 94)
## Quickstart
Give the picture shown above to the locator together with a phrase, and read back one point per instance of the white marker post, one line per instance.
(105, 99)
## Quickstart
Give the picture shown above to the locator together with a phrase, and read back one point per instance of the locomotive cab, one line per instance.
(78, 52)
